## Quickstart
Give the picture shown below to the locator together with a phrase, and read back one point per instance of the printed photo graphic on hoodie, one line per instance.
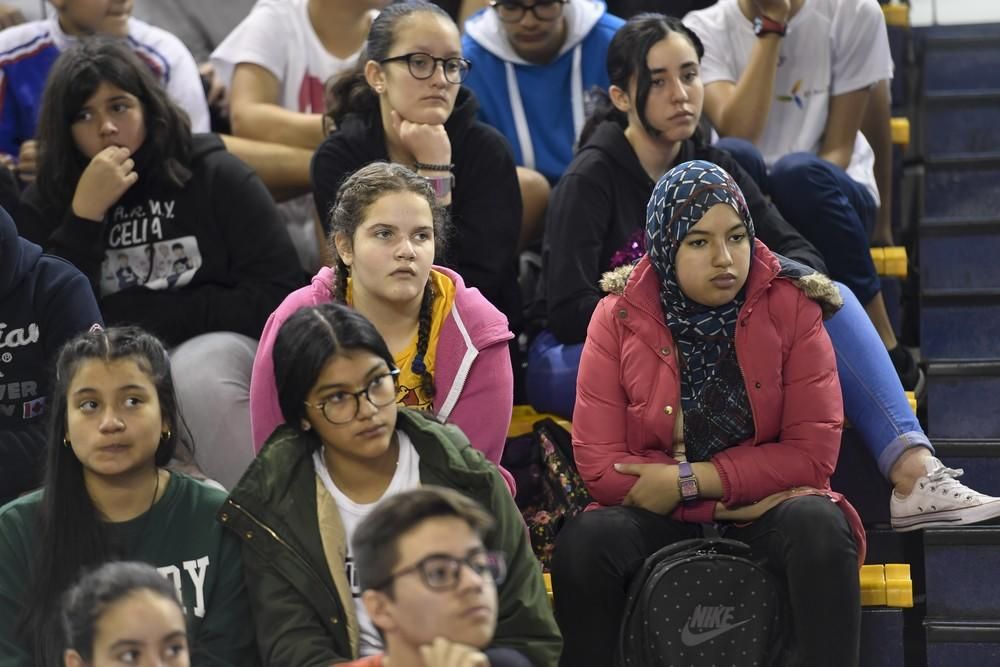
(141, 249)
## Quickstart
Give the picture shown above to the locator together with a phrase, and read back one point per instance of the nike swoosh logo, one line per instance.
(689, 638)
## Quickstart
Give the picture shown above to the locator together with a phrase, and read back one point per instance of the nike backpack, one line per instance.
(703, 602)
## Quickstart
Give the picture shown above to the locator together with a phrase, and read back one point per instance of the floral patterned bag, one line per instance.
(549, 488)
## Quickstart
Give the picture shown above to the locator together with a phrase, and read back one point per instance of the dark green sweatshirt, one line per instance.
(180, 537)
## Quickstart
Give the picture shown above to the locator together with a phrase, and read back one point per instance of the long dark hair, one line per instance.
(73, 79)
(99, 590)
(73, 537)
(356, 195)
(306, 341)
(627, 54)
(350, 91)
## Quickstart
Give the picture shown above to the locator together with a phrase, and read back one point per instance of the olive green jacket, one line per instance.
(295, 574)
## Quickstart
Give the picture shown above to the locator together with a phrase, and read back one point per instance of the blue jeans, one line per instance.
(874, 401)
(832, 210)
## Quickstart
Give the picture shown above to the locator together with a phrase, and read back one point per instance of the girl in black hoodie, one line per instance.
(174, 233)
(404, 103)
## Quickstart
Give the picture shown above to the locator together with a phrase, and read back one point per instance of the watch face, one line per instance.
(689, 489)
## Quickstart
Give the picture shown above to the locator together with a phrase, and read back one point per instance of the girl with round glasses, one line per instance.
(345, 445)
(405, 104)
(448, 343)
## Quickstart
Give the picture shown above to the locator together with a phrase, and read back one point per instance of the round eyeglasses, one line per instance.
(512, 12)
(341, 407)
(423, 65)
(442, 572)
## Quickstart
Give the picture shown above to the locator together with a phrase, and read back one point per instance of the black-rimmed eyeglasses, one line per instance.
(442, 572)
(423, 65)
(342, 407)
(512, 12)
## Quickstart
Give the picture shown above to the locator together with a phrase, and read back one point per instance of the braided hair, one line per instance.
(356, 195)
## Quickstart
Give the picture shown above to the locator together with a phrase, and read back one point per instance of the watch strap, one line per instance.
(765, 25)
(687, 483)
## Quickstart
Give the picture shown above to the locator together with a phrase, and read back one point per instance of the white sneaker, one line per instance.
(939, 499)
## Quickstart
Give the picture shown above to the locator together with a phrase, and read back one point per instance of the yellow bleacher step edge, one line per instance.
(900, 128)
(896, 15)
(886, 585)
(872, 585)
(890, 262)
(898, 585)
(911, 398)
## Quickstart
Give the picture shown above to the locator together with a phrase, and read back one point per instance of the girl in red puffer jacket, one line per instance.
(708, 391)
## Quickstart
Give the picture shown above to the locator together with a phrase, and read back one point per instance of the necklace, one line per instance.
(141, 533)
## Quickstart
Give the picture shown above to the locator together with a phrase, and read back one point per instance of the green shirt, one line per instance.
(180, 537)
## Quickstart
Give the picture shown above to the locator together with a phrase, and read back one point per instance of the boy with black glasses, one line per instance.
(430, 584)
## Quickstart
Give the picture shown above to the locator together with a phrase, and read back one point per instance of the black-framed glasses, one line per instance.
(423, 65)
(342, 407)
(442, 572)
(512, 12)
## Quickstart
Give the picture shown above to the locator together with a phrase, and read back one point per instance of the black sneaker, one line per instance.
(910, 374)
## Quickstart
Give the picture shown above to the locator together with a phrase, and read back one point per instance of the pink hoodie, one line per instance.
(475, 383)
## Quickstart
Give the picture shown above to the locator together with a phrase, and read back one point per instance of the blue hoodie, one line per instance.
(540, 108)
(44, 301)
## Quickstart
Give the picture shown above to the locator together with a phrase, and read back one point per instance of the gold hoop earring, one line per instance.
(165, 435)
(66, 442)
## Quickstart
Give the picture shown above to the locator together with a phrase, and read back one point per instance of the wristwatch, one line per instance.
(763, 25)
(687, 483)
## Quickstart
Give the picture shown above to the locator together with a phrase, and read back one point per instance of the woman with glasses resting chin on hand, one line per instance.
(344, 446)
(405, 104)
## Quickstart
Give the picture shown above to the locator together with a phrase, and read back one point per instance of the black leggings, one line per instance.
(805, 540)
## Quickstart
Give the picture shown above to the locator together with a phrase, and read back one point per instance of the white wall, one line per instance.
(930, 12)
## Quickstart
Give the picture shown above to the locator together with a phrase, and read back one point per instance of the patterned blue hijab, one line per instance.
(704, 334)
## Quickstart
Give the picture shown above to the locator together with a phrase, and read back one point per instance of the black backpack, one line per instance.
(702, 602)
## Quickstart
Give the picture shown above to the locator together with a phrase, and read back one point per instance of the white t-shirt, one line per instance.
(278, 36)
(407, 477)
(831, 47)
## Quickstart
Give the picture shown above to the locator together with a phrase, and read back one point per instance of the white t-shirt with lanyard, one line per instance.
(406, 477)
(832, 47)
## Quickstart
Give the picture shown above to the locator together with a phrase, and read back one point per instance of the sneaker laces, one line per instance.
(945, 479)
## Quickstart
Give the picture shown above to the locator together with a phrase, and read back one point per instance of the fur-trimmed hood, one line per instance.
(813, 284)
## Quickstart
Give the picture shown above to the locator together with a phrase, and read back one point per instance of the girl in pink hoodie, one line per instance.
(450, 343)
